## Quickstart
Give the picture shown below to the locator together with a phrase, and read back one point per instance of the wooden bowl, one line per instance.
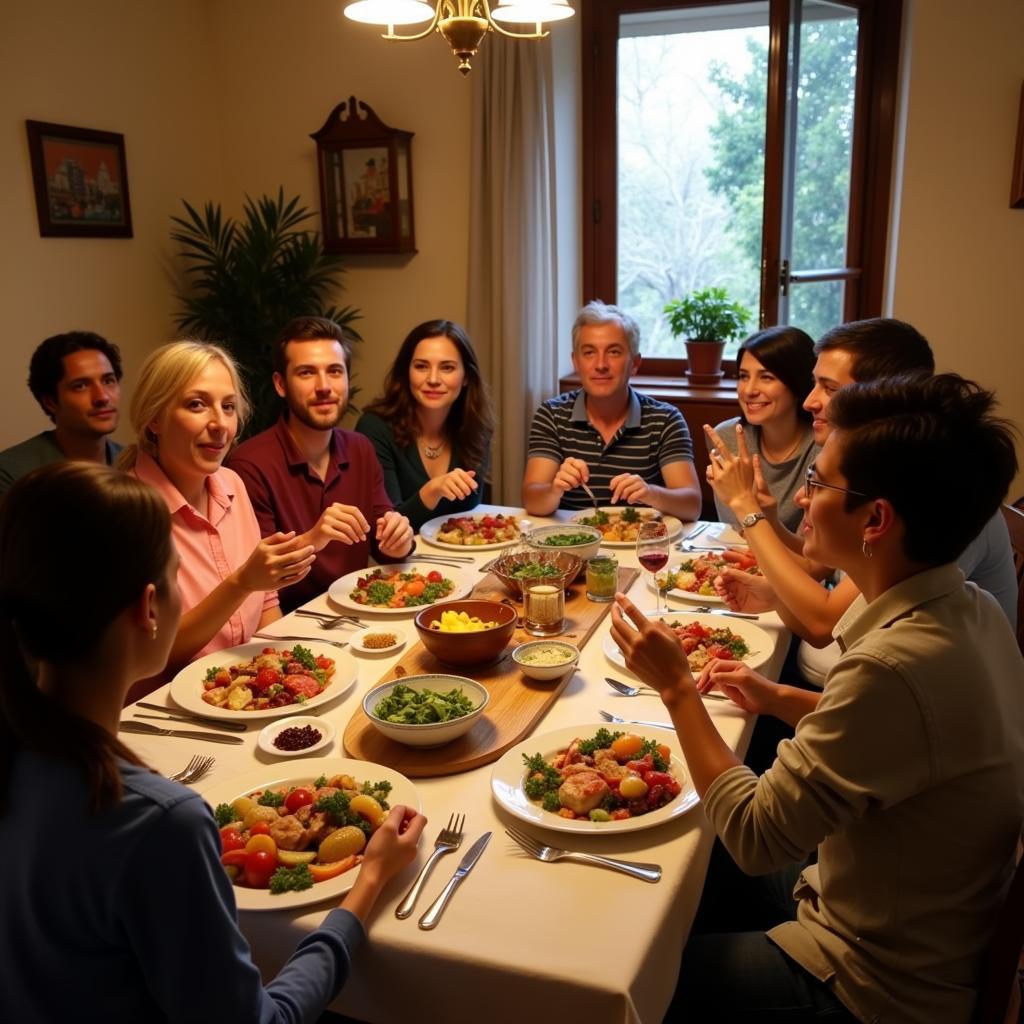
(478, 648)
(569, 567)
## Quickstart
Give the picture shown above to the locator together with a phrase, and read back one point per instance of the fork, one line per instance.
(197, 767)
(549, 854)
(590, 495)
(635, 691)
(449, 839)
(329, 621)
(609, 717)
(307, 639)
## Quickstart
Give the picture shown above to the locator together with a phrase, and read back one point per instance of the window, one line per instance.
(745, 145)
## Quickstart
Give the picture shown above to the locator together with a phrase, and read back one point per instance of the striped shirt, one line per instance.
(653, 435)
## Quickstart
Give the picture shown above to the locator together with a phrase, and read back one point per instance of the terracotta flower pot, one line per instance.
(704, 362)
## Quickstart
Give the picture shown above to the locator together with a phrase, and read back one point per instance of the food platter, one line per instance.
(675, 526)
(761, 645)
(298, 773)
(686, 595)
(507, 783)
(429, 532)
(338, 592)
(187, 686)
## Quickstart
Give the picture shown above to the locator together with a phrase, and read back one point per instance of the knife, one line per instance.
(151, 730)
(186, 716)
(695, 532)
(433, 915)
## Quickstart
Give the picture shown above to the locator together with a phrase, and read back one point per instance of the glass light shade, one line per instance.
(389, 12)
(533, 11)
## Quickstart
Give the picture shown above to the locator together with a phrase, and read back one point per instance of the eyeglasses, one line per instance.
(811, 482)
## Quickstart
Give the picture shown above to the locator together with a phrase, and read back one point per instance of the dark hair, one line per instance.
(470, 422)
(46, 367)
(900, 435)
(113, 512)
(881, 347)
(787, 352)
(308, 328)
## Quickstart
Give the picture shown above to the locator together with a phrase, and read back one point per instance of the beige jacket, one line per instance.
(909, 778)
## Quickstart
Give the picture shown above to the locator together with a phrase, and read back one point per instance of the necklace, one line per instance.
(433, 451)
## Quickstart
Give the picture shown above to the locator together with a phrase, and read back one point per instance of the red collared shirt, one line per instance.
(288, 495)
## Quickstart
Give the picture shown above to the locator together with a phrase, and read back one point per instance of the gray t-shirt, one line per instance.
(41, 450)
(784, 479)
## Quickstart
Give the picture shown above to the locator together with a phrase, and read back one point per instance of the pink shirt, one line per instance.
(211, 549)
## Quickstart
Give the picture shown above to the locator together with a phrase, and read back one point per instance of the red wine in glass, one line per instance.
(652, 551)
(652, 561)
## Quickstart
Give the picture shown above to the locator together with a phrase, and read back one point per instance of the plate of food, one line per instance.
(399, 589)
(264, 679)
(570, 780)
(692, 578)
(703, 637)
(483, 532)
(310, 820)
(619, 524)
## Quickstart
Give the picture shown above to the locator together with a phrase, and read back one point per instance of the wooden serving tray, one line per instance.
(517, 703)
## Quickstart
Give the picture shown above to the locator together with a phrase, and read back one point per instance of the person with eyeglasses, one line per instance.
(905, 775)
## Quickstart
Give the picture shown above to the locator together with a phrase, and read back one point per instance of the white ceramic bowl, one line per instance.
(584, 550)
(269, 733)
(545, 673)
(437, 733)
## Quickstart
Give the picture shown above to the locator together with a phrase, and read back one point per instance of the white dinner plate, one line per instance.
(685, 595)
(675, 526)
(265, 740)
(430, 529)
(760, 643)
(357, 641)
(187, 686)
(300, 773)
(508, 774)
(339, 590)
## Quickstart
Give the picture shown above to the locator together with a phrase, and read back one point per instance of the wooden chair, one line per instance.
(998, 994)
(1014, 517)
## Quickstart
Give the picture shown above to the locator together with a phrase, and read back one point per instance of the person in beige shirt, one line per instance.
(907, 773)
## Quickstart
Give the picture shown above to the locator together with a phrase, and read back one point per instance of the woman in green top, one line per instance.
(433, 425)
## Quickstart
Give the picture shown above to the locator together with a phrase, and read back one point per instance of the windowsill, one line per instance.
(669, 387)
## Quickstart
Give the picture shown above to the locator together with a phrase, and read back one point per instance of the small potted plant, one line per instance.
(706, 320)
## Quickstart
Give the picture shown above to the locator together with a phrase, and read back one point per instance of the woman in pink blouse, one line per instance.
(187, 408)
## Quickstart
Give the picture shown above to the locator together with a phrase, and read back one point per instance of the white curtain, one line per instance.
(512, 316)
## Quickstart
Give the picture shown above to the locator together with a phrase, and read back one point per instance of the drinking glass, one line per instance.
(652, 550)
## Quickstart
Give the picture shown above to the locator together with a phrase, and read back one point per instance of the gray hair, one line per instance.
(598, 313)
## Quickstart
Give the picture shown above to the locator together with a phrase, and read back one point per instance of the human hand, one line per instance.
(740, 683)
(652, 651)
(628, 487)
(456, 484)
(743, 592)
(768, 502)
(394, 534)
(339, 522)
(731, 476)
(277, 561)
(571, 473)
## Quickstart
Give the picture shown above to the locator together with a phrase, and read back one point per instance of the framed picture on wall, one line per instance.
(1017, 182)
(81, 181)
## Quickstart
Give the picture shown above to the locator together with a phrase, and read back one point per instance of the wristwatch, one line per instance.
(749, 520)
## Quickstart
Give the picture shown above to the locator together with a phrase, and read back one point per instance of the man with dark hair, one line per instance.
(75, 378)
(308, 475)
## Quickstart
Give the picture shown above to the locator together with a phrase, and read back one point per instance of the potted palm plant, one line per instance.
(249, 278)
(707, 320)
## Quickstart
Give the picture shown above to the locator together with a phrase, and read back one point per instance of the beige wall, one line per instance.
(959, 269)
(119, 67)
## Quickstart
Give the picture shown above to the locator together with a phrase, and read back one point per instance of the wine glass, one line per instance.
(652, 551)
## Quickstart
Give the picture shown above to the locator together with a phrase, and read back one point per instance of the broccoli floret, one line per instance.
(650, 747)
(271, 798)
(379, 593)
(541, 778)
(630, 515)
(336, 805)
(319, 782)
(379, 791)
(304, 656)
(550, 802)
(291, 879)
(225, 814)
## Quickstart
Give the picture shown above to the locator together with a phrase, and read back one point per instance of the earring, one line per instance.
(865, 549)
(152, 632)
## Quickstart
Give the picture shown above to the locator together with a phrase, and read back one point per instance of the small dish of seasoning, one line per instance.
(378, 640)
(296, 736)
(546, 660)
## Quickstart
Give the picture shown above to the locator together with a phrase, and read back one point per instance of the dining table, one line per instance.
(522, 940)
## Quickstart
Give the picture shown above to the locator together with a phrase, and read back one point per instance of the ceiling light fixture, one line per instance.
(463, 23)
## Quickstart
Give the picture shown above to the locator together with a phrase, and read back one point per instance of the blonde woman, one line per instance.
(187, 408)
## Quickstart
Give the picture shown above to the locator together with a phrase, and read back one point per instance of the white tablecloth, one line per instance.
(521, 940)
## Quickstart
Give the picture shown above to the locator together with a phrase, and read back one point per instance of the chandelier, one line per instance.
(463, 23)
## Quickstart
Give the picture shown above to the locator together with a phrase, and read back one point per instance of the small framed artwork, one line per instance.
(81, 181)
(1017, 184)
(365, 171)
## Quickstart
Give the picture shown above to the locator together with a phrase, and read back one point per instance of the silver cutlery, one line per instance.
(687, 546)
(634, 691)
(223, 726)
(695, 532)
(433, 915)
(302, 639)
(180, 715)
(193, 734)
(609, 717)
(590, 495)
(197, 767)
(445, 559)
(448, 840)
(708, 610)
(328, 621)
(637, 869)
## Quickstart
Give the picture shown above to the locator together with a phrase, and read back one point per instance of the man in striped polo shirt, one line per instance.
(627, 447)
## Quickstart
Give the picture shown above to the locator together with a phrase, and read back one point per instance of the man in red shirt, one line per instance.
(308, 475)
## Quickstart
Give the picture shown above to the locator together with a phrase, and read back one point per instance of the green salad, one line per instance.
(535, 570)
(564, 540)
(406, 706)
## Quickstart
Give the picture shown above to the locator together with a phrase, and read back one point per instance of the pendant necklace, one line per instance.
(433, 451)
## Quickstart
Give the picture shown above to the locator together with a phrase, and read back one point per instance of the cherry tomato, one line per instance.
(665, 751)
(720, 651)
(641, 767)
(234, 858)
(298, 798)
(261, 842)
(626, 746)
(230, 839)
(659, 779)
(434, 577)
(324, 662)
(259, 828)
(259, 866)
(267, 677)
